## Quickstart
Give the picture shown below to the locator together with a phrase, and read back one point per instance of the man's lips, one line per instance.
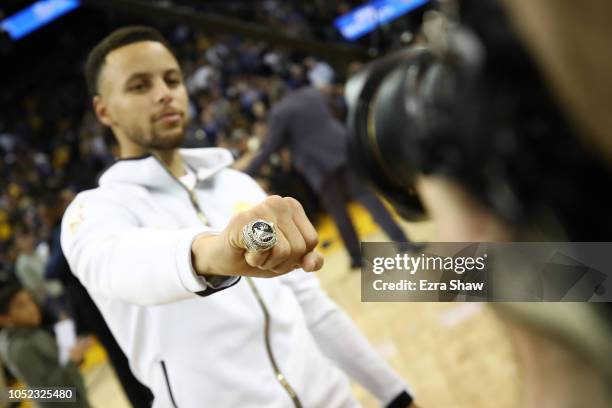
(169, 117)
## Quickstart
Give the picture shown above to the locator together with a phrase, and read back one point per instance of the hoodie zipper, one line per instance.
(280, 377)
(165, 370)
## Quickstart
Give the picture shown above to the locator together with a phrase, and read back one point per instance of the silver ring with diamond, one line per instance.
(259, 236)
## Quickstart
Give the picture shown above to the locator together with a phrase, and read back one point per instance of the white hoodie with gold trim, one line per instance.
(129, 242)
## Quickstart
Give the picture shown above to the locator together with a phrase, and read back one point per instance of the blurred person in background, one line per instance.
(159, 246)
(31, 353)
(30, 270)
(317, 142)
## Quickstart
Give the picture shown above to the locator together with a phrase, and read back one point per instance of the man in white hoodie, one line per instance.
(158, 246)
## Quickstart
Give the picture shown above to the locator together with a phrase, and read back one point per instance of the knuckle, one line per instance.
(253, 260)
(312, 240)
(293, 203)
(278, 204)
(264, 212)
(299, 249)
(283, 251)
(274, 200)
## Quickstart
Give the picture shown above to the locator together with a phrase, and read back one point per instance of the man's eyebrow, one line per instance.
(148, 74)
(138, 75)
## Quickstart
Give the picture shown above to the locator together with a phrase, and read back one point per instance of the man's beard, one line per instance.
(157, 141)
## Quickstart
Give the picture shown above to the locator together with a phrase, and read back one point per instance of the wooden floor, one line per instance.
(453, 355)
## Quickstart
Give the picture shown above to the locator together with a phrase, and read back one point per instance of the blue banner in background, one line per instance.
(35, 16)
(368, 17)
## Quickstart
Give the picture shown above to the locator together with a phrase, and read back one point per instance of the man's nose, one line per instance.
(163, 93)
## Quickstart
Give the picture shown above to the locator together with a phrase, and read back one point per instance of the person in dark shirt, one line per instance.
(303, 122)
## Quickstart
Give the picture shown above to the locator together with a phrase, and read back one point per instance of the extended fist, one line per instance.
(226, 255)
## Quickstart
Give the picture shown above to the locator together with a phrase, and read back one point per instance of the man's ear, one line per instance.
(101, 110)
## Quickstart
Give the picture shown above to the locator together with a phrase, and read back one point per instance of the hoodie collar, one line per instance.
(147, 171)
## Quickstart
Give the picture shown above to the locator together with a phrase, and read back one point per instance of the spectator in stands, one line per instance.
(31, 353)
(30, 270)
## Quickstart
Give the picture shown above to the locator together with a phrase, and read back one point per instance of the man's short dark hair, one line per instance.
(7, 293)
(117, 39)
